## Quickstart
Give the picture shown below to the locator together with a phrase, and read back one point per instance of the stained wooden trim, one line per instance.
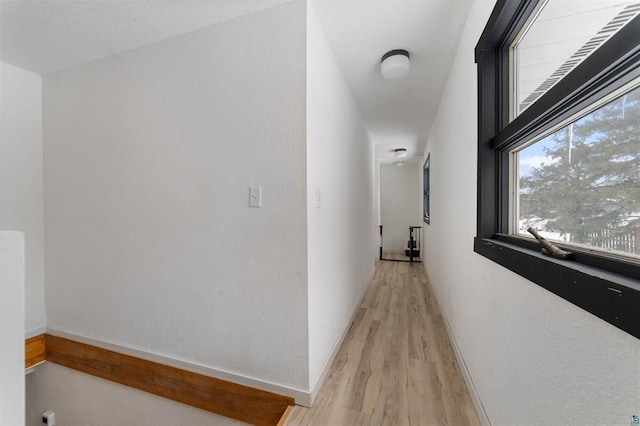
(228, 399)
(34, 350)
(285, 416)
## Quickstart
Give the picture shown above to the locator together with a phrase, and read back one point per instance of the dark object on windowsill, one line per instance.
(548, 248)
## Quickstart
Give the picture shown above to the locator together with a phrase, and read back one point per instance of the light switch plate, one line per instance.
(318, 199)
(255, 196)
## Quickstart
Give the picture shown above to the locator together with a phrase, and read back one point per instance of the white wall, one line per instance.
(12, 281)
(399, 204)
(21, 193)
(149, 156)
(341, 232)
(82, 399)
(534, 358)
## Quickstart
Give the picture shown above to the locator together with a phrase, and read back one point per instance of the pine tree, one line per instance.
(591, 187)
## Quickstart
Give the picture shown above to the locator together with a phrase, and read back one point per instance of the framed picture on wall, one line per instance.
(426, 188)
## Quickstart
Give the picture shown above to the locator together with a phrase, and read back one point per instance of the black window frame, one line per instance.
(426, 189)
(603, 284)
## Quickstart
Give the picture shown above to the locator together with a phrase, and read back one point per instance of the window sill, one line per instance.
(612, 297)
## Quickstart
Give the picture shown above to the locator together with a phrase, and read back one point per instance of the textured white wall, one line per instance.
(399, 204)
(21, 193)
(149, 156)
(535, 359)
(341, 233)
(12, 279)
(82, 399)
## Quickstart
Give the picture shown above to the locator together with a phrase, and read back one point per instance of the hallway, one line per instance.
(396, 365)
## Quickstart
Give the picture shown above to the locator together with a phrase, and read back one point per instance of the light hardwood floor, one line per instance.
(396, 365)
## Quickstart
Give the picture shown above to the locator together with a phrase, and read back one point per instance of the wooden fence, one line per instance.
(609, 239)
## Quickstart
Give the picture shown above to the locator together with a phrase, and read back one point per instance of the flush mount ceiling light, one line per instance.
(395, 64)
(400, 152)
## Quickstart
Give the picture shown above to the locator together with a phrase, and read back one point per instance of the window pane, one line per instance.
(562, 35)
(581, 184)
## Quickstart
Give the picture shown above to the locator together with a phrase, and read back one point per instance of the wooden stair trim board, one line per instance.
(285, 416)
(219, 396)
(34, 350)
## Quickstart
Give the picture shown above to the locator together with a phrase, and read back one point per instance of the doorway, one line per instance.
(400, 212)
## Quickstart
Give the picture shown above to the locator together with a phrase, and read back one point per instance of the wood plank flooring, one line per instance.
(396, 365)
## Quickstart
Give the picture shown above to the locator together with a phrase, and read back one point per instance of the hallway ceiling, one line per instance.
(398, 113)
(44, 36)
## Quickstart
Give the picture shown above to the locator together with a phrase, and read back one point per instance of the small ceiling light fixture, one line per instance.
(400, 152)
(395, 64)
(399, 163)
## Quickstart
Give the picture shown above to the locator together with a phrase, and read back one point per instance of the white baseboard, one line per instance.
(31, 369)
(475, 398)
(324, 372)
(35, 332)
(301, 397)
